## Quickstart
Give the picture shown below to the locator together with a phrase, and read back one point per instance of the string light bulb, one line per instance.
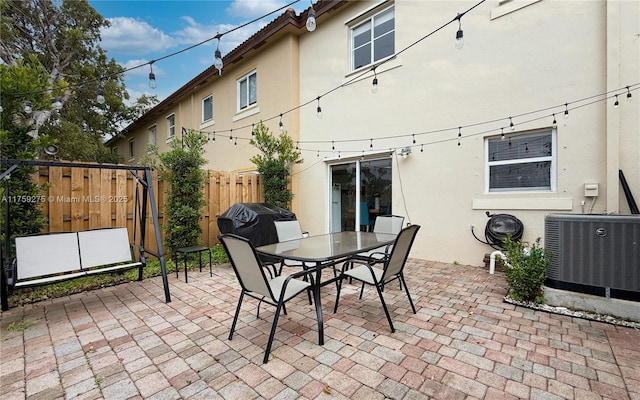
(459, 33)
(217, 61)
(253, 131)
(501, 133)
(280, 124)
(319, 109)
(459, 134)
(511, 126)
(152, 77)
(566, 110)
(311, 19)
(554, 123)
(100, 96)
(57, 103)
(628, 94)
(616, 103)
(371, 143)
(374, 83)
(26, 107)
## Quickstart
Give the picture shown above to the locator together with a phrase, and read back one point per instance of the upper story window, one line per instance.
(248, 90)
(171, 126)
(373, 39)
(207, 108)
(132, 150)
(521, 162)
(152, 135)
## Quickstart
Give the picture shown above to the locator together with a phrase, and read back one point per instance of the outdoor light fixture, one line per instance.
(26, 107)
(405, 152)
(100, 96)
(459, 34)
(217, 62)
(152, 77)
(311, 19)
(57, 103)
(319, 110)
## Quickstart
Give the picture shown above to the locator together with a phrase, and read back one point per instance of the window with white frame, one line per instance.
(152, 135)
(171, 126)
(248, 90)
(207, 108)
(521, 162)
(373, 39)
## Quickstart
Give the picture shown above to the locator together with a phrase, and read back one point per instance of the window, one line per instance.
(373, 39)
(247, 90)
(171, 126)
(132, 152)
(152, 135)
(521, 161)
(207, 108)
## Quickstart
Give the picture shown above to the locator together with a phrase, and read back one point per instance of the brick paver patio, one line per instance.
(464, 343)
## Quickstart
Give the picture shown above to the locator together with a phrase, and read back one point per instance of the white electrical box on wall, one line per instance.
(590, 190)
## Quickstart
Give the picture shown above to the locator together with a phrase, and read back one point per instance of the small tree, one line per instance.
(274, 164)
(525, 270)
(181, 168)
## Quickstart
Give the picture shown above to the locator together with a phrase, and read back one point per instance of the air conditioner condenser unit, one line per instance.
(595, 254)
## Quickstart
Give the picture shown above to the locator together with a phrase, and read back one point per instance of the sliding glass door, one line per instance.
(360, 191)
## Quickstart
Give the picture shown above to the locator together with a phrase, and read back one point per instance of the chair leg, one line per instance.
(384, 306)
(361, 290)
(272, 334)
(235, 318)
(406, 289)
(339, 286)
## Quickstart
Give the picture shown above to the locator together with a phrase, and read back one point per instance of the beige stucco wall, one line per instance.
(542, 55)
(278, 91)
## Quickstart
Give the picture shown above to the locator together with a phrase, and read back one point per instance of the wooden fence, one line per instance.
(78, 199)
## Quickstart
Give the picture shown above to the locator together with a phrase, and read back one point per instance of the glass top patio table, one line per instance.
(325, 250)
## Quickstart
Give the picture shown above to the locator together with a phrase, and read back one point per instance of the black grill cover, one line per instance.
(254, 221)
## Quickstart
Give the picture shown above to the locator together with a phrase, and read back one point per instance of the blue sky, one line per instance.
(145, 30)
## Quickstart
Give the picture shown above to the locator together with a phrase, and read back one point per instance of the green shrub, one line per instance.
(525, 270)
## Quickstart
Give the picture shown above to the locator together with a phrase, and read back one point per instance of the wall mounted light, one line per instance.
(405, 152)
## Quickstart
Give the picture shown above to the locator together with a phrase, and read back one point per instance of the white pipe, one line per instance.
(492, 260)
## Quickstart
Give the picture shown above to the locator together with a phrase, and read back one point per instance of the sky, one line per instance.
(145, 30)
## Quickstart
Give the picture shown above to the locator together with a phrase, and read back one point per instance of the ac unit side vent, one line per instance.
(594, 253)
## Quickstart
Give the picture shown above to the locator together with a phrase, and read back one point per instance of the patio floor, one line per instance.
(464, 343)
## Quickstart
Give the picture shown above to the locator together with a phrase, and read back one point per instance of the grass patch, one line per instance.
(34, 294)
(19, 326)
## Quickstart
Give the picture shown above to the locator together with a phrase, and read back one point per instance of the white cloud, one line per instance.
(249, 9)
(132, 36)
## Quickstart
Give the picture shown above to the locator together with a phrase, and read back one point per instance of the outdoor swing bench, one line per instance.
(48, 258)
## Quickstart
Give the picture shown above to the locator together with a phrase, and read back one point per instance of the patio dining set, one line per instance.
(374, 258)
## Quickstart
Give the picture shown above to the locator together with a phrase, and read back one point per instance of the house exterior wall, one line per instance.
(276, 65)
(517, 58)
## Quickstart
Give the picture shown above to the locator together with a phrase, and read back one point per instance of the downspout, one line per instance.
(612, 123)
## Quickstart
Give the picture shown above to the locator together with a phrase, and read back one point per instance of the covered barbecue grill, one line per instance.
(254, 221)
